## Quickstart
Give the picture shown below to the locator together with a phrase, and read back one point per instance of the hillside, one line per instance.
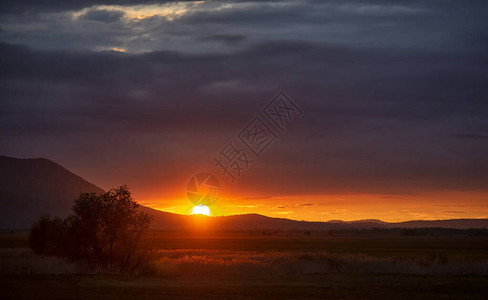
(30, 188)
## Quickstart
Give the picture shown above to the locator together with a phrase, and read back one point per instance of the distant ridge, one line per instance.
(30, 188)
(170, 221)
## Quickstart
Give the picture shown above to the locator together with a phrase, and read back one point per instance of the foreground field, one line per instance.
(378, 245)
(244, 266)
(332, 286)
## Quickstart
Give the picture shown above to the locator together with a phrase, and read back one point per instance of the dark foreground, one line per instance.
(333, 286)
(244, 266)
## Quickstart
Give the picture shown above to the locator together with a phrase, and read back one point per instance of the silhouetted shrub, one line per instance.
(104, 231)
(48, 236)
(107, 230)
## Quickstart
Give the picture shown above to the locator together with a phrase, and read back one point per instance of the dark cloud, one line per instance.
(391, 24)
(32, 6)
(230, 39)
(372, 135)
(393, 94)
(102, 15)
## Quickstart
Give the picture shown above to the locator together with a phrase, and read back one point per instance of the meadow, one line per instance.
(242, 265)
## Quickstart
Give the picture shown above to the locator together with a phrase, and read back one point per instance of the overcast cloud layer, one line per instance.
(394, 93)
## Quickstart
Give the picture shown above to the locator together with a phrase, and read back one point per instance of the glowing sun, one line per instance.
(201, 210)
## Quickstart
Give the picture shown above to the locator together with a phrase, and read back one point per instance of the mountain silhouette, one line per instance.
(170, 221)
(30, 188)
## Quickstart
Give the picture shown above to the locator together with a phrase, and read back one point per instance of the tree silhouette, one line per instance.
(104, 230)
(107, 229)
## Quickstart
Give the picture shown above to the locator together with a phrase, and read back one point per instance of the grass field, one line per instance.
(370, 244)
(244, 266)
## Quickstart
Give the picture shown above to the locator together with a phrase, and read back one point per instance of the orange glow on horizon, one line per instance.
(347, 207)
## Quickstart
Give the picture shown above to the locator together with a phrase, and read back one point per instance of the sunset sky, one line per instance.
(393, 94)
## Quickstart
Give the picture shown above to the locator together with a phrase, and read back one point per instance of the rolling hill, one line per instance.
(169, 221)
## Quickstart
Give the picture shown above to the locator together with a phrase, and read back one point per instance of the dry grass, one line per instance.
(243, 267)
(240, 255)
(229, 262)
(21, 261)
(203, 262)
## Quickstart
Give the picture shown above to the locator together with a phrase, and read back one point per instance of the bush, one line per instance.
(48, 236)
(104, 230)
